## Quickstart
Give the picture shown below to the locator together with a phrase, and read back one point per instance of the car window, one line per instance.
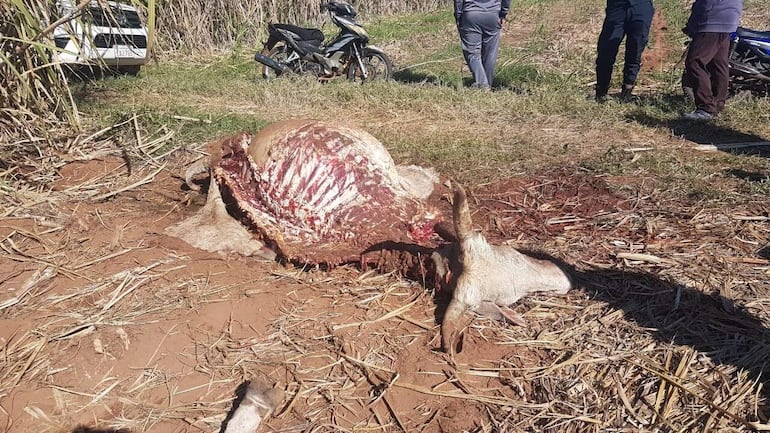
(114, 17)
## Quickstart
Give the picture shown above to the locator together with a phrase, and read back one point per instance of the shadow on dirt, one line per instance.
(240, 394)
(710, 323)
(83, 429)
(721, 137)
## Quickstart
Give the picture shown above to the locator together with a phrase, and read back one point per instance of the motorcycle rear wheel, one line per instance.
(280, 54)
(378, 67)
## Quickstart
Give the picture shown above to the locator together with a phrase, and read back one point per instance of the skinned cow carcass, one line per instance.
(313, 192)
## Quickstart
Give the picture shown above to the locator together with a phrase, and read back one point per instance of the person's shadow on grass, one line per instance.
(712, 133)
(410, 76)
(712, 324)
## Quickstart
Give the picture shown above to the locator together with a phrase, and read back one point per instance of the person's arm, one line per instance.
(505, 6)
(458, 10)
(698, 15)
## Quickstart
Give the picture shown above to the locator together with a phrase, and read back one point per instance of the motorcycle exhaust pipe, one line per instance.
(271, 63)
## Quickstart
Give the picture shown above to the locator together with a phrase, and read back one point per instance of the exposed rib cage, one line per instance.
(324, 194)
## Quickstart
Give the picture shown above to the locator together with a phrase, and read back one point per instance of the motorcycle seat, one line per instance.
(748, 33)
(307, 34)
(310, 47)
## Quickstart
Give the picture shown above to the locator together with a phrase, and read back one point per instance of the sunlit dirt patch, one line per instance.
(656, 56)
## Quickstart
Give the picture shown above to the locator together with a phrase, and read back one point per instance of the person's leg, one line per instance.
(471, 41)
(637, 28)
(719, 68)
(489, 45)
(687, 86)
(702, 50)
(607, 48)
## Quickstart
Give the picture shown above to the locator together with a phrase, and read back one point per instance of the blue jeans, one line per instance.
(480, 39)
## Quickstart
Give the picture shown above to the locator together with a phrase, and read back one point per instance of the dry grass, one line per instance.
(218, 26)
(35, 99)
(668, 331)
(106, 323)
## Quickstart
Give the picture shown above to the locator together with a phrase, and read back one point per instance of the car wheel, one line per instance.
(132, 70)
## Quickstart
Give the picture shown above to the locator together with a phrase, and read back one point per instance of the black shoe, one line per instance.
(626, 94)
(601, 94)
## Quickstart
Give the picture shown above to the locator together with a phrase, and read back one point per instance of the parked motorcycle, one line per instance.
(750, 61)
(294, 49)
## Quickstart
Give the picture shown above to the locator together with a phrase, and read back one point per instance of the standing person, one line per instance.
(479, 23)
(623, 18)
(707, 67)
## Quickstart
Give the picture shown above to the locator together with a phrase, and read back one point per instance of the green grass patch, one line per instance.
(526, 75)
(409, 26)
(540, 116)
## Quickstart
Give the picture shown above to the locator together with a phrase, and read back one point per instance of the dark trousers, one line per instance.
(707, 70)
(622, 20)
(480, 39)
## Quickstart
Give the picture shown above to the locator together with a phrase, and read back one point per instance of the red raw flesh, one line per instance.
(310, 218)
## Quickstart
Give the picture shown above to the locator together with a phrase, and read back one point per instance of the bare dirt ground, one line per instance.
(655, 56)
(107, 323)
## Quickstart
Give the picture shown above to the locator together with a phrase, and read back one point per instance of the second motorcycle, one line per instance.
(300, 50)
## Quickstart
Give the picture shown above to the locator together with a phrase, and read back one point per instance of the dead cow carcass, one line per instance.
(313, 192)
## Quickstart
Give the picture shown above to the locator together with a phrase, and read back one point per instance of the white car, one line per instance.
(113, 36)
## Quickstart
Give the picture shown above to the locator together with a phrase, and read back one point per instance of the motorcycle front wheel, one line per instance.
(377, 64)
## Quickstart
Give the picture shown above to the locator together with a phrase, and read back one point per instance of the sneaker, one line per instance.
(698, 115)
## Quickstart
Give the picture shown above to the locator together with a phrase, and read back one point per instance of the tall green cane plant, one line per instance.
(33, 88)
(33, 91)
